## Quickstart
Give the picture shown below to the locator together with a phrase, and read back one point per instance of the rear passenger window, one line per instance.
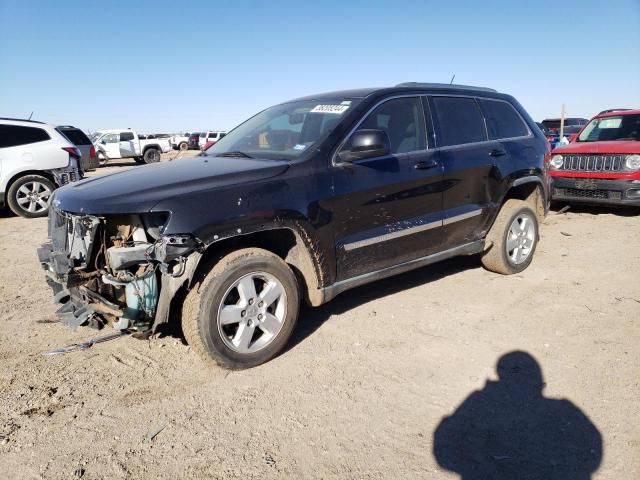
(15, 135)
(126, 136)
(459, 121)
(502, 120)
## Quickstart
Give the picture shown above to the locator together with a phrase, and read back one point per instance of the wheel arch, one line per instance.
(531, 189)
(292, 242)
(24, 173)
(155, 146)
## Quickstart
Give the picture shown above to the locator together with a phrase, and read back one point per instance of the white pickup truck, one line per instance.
(125, 143)
(180, 141)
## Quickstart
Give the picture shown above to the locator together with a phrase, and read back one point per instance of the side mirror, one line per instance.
(103, 141)
(366, 144)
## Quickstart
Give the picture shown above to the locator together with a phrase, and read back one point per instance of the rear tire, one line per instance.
(512, 239)
(184, 146)
(151, 155)
(29, 196)
(242, 312)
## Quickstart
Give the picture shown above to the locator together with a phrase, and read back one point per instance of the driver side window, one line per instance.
(403, 121)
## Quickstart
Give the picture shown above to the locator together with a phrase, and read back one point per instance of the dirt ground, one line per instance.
(362, 387)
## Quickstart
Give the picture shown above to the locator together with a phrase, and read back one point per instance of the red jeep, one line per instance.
(603, 164)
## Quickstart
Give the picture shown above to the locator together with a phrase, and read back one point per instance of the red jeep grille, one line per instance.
(593, 163)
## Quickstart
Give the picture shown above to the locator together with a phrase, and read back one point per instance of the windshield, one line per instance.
(285, 131)
(623, 127)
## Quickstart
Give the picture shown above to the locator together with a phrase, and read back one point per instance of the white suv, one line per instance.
(210, 136)
(35, 159)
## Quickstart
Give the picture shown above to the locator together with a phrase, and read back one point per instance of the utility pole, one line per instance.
(562, 123)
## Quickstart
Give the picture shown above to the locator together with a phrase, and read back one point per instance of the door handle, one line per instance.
(424, 165)
(497, 152)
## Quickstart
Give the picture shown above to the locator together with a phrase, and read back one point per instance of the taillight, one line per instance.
(92, 152)
(73, 151)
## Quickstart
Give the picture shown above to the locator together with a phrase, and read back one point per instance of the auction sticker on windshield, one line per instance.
(339, 109)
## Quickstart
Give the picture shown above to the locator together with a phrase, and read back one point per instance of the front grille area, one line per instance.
(593, 163)
(580, 193)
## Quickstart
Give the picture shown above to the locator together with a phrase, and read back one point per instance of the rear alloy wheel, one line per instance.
(151, 155)
(29, 196)
(184, 146)
(512, 239)
(242, 313)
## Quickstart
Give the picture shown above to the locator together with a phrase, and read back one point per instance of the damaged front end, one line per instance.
(116, 269)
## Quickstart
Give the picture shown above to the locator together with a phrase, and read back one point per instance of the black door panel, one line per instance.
(389, 215)
(388, 209)
(468, 160)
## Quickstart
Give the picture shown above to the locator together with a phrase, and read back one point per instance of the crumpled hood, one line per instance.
(613, 147)
(138, 189)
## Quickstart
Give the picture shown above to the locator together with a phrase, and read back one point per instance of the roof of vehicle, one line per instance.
(401, 87)
(112, 130)
(617, 113)
(615, 110)
(21, 120)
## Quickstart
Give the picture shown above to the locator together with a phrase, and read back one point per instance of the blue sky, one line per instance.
(161, 66)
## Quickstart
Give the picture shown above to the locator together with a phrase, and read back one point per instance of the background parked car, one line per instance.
(553, 124)
(35, 159)
(76, 136)
(125, 143)
(210, 136)
(194, 141)
(570, 133)
(180, 141)
(603, 164)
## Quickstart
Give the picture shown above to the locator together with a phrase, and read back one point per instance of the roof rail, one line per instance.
(445, 85)
(20, 120)
(614, 110)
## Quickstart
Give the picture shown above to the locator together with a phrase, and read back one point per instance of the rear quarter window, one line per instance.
(503, 121)
(16, 135)
(459, 121)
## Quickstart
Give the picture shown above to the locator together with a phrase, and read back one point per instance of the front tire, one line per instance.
(151, 155)
(184, 146)
(512, 239)
(29, 196)
(102, 159)
(242, 312)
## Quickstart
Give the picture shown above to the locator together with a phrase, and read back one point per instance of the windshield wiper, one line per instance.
(235, 153)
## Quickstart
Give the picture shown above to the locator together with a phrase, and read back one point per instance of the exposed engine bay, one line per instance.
(116, 270)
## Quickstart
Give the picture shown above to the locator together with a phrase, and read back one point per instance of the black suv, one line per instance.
(301, 202)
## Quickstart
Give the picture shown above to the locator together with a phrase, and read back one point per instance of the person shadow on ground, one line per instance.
(509, 430)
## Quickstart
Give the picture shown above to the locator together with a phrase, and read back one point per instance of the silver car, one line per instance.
(76, 136)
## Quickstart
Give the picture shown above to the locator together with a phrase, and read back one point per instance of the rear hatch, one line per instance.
(76, 136)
